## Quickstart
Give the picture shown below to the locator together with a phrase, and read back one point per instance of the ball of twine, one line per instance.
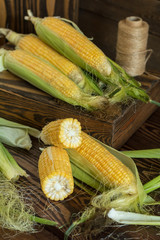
(131, 52)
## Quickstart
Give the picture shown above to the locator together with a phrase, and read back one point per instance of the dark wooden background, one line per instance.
(96, 18)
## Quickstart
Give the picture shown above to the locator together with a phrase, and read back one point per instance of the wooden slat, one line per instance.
(13, 12)
(117, 10)
(3, 18)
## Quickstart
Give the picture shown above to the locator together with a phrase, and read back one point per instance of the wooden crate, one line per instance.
(23, 103)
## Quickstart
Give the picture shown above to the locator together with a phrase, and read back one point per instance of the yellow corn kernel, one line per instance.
(34, 45)
(83, 48)
(46, 72)
(86, 49)
(49, 79)
(55, 173)
(64, 133)
(114, 171)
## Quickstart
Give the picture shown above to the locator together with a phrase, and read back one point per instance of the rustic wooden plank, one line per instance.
(41, 235)
(117, 10)
(50, 5)
(3, 18)
(13, 12)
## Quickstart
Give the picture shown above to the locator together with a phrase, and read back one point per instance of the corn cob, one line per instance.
(55, 173)
(71, 43)
(64, 133)
(34, 45)
(48, 78)
(114, 172)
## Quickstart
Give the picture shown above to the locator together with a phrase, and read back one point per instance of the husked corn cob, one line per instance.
(49, 79)
(64, 133)
(71, 43)
(114, 171)
(34, 45)
(55, 173)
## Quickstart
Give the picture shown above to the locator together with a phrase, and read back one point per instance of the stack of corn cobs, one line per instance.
(69, 143)
(63, 62)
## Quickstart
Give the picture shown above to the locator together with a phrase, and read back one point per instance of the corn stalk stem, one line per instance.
(43, 221)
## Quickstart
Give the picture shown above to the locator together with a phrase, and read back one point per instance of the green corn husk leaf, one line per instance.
(8, 166)
(137, 93)
(125, 77)
(85, 175)
(152, 185)
(126, 92)
(17, 135)
(90, 82)
(146, 153)
(84, 187)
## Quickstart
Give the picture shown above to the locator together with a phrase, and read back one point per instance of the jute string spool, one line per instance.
(131, 52)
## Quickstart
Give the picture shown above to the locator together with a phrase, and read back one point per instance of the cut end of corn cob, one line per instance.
(64, 133)
(55, 173)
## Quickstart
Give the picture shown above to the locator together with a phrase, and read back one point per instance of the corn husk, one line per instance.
(59, 44)
(146, 153)
(8, 166)
(17, 135)
(77, 75)
(80, 162)
(152, 185)
(119, 198)
(78, 98)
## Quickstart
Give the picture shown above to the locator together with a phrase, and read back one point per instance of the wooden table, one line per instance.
(19, 101)
(147, 136)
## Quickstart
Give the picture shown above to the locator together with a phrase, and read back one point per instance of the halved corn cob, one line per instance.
(55, 173)
(48, 78)
(64, 133)
(114, 172)
(34, 45)
(71, 43)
